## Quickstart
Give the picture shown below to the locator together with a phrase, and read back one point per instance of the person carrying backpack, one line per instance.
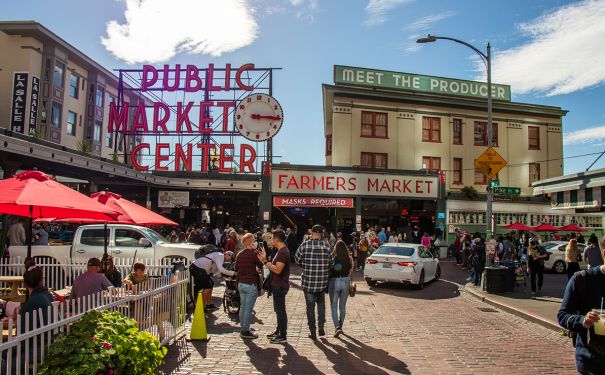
(581, 310)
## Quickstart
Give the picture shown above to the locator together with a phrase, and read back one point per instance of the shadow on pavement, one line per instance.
(434, 290)
(369, 356)
(266, 361)
(349, 362)
(176, 357)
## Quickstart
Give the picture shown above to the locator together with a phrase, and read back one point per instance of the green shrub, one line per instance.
(103, 342)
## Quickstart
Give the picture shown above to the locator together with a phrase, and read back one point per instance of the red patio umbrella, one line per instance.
(545, 228)
(572, 228)
(130, 212)
(517, 226)
(36, 195)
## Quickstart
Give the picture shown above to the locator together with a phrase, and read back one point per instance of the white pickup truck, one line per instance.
(124, 241)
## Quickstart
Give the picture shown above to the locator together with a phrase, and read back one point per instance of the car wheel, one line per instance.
(371, 282)
(559, 266)
(438, 273)
(420, 281)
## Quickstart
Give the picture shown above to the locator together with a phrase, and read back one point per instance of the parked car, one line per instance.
(124, 241)
(556, 262)
(402, 263)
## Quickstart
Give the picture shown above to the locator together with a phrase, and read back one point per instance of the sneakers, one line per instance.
(273, 335)
(279, 340)
(338, 332)
(321, 331)
(248, 335)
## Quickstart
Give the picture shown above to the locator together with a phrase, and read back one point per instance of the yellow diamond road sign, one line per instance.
(490, 163)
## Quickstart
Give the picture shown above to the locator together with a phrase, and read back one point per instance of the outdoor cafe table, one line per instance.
(14, 294)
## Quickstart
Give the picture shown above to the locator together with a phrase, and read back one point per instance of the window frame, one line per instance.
(373, 163)
(529, 138)
(529, 177)
(97, 125)
(59, 111)
(434, 125)
(374, 125)
(431, 161)
(494, 133)
(455, 180)
(74, 125)
(76, 88)
(457, 122)
(62, 67)
(475, 178)
(328, 144)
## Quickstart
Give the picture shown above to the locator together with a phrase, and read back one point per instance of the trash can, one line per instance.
(442, 251)
(511, 277)
(496, 279)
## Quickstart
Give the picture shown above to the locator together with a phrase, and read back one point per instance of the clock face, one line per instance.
(258, 117)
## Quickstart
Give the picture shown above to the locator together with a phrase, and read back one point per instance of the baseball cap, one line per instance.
(317, 228)
(96, 262)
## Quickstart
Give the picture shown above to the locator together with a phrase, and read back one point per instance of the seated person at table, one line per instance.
(41, 235)
(138, 275)
(39, 296)
(91, 281)
(109, 269)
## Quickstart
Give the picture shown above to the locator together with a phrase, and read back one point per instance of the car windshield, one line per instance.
(395, 250)
(154, 236)
(549, 245)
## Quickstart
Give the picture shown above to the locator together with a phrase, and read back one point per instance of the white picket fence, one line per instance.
(158, 306)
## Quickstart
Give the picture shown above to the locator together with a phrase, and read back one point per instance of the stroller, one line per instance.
(231, 302)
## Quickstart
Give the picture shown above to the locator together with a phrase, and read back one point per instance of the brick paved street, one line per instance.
(389, 330)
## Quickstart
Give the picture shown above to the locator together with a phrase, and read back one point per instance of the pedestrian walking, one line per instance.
(535, 262)
(339, 284)
(316, 259)
(362, 252)
(592, 253)
(246, 264)
(572, 257)
(581, 314)
(478, 259)
(280, 284)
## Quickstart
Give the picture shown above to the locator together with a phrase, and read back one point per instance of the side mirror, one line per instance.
(144, 242)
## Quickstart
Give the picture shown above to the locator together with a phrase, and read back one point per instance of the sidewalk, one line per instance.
(541, 309)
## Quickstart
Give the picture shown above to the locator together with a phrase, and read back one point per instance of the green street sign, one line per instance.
(348, 75)
(507, 190)
(494, 183)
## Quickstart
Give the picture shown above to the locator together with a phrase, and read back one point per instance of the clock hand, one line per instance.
(256, 116)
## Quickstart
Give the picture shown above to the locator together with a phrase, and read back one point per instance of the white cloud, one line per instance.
(562, 55)
(306, 9)
(378, 9)
(156, 31)
(590, 135)
(425, 23)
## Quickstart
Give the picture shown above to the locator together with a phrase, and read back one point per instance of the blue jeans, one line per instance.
(338, 289)
(319, 298)
(247, 297)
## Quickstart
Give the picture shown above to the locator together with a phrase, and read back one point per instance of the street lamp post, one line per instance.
(489, 222)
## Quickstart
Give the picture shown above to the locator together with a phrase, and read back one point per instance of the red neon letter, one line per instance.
(147, 82)
(227, 86)
(180, 155)
(205, 119)
(205, 147)
(225, 106)
(159, 157)
(192, 75)
(133, 157)
(140, 119)
(246, 163)
(183, 116)
(166, 75)
(210, 79)
(225, 157)
(119, 120)
(238, 77)
(160, 121)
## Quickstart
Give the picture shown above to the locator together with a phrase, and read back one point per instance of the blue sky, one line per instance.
(550, 52)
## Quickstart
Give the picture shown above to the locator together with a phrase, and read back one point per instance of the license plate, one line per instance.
(387, 265)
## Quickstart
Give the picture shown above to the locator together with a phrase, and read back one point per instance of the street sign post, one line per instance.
(490, 163)
(507, 190)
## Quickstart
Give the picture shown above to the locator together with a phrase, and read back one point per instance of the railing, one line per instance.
(158, 306)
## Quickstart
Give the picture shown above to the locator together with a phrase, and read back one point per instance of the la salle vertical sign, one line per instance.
(18, 103)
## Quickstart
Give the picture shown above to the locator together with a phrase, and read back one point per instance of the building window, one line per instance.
(588, 195)
(560, 197)
(99, 97)
(55, 115)
(534, 137)
(97, 132)
(58, 74)
(108, 140)
(374, 160)
(374, 124)
(71, 123)
(73, 86)
(457, 175)
(534, 172)
(480, 178)
(457, 132)
(328, 144)
(431, 163)
(481, 134)
(573, 196)
(431, 129)
(112, 99)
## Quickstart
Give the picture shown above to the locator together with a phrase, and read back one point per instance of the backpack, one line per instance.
(205, 250)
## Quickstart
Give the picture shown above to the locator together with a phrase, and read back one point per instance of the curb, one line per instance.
(513, 310)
